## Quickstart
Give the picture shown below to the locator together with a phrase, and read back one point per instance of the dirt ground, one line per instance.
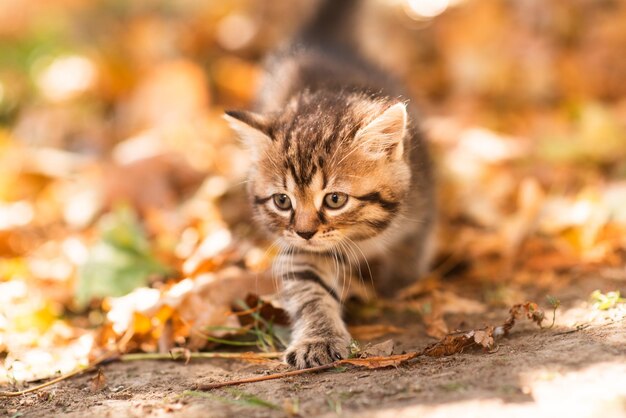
(563, 371)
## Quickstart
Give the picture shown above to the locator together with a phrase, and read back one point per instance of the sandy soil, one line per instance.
(552, 372)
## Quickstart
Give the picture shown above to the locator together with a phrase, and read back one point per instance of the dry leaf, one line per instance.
(435, 325)
(449, 302)
(192, 304)
(529, 200)
(420, 287)
(484, 338)
(380, 362)
(456, 342)
(450, 344)
(371, 332)
(181, 83)
(264, 309)
(381, 349)
(99, 381)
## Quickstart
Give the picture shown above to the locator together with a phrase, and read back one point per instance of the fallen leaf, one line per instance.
(120, 261)
(205, 255)
(267, 311)
(193, 303)
(420, 287)
(529, 201)
(377, 350)
(99, 381)
(435, 325)
(450, 302)
(484, 338)
(380, 362)
(450, 344)
(531, 310)
(456, 342)
(371, 332)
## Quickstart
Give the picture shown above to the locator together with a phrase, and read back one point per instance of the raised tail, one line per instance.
(333, 22)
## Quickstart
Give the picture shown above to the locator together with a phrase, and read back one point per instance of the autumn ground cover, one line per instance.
(126, 242)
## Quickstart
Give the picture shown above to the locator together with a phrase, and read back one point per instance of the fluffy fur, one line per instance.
(340, 176)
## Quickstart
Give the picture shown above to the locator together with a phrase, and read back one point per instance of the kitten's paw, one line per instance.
(311, 352)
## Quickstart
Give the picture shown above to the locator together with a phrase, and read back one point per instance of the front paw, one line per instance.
(311, 352)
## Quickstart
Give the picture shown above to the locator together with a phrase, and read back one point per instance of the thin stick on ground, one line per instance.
(168, 356)
(114, 355)
(281, 375)
(101, 359)
(371, 362)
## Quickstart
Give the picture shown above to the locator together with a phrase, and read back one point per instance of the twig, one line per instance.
(114, 355)
(377, 362)
(571, 331)
(169, 356)
(583, 327)
(101, 359)
(280, 375)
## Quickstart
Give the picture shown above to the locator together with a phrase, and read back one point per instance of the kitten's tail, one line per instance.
(332, 22)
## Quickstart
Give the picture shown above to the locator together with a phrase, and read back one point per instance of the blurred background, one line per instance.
(118, 174)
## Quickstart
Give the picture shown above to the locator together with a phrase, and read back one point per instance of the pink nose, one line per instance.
(306, 234)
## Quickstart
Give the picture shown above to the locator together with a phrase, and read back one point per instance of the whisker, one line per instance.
(336, 265)
(347, 254)
(357, 261)
(364, 259)
(343, 266)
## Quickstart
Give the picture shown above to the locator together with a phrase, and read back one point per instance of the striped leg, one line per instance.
(319, 335)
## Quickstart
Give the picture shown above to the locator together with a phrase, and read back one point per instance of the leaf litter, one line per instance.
(129, 235)
(453, 343)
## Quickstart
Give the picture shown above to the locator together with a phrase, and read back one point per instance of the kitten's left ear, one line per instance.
(251, 127)
(384, 136)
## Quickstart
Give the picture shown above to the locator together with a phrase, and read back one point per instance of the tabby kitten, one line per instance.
(340, 176)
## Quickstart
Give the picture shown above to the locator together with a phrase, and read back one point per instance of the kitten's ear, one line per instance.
(384, 136)
(251, 127)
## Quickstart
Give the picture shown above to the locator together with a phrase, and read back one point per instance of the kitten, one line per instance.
(342, 178)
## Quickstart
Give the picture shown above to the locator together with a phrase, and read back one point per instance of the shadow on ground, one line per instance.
(539, 372)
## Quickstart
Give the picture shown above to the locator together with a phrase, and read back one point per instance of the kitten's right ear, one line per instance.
(251, 127)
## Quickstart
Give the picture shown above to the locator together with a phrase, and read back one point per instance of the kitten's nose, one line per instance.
(306, 234)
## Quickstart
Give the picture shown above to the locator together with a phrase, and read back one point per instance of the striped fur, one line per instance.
(329, 125)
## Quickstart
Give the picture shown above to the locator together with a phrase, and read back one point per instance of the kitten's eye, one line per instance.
(282, 201)
(335, 200)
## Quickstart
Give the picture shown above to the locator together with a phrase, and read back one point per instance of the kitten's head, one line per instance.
(328, 168)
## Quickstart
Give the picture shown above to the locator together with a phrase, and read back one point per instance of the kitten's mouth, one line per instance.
(312, 245)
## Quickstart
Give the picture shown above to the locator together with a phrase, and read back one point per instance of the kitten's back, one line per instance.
(324, 55)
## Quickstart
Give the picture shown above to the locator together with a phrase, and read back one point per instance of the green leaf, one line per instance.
(119, 262)
(606, 301)
(553, 301)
